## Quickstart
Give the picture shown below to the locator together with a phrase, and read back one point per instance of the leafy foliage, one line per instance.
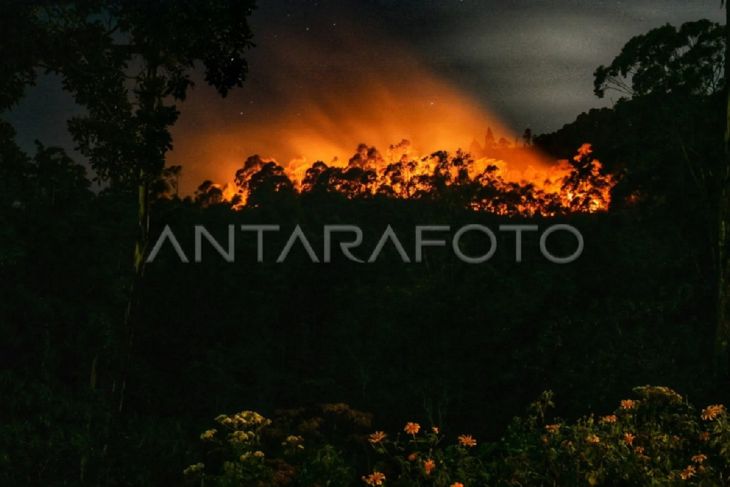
(656, 439)
(688, 60)
(445, 343)
(580, 185)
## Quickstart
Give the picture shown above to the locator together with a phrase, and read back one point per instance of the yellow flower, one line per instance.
(611, 418)
(375, 478)
(412, 457)
(688, 472)
(699, 458)
(593, 439)
(248, 454)
(208, 435)
(435, 429)
(704, 436)
(712, 412)
(247, 419)
(467, 440)
(377, 437)
(552, 428)
(293, 440)
(241, 436)
(457, 484)
(628, 404)
(412, 428)
(629, 439)
(243, 419)
(428, 466)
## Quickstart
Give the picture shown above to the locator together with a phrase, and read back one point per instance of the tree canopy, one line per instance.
(688, 59)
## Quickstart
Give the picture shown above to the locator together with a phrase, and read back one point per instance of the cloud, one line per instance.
(534, 61)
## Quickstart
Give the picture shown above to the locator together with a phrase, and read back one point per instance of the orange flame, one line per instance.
(323, 101)
(576, 186)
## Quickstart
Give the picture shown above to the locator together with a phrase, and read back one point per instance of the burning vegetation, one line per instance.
(306, 126)
(304, 123)
(482, 179)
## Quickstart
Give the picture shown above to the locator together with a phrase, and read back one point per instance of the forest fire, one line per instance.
(486, 182)
(376, 92)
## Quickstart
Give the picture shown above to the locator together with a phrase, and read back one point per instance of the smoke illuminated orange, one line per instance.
(328, 101)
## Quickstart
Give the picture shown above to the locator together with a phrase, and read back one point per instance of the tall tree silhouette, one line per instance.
(127, 63)
(670, 67)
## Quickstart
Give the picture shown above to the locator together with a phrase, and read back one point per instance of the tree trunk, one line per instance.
(141, 245)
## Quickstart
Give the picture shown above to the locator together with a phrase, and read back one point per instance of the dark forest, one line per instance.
(117, 369)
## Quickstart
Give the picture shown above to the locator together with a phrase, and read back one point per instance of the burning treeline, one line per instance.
(307, 101)
(481, 181)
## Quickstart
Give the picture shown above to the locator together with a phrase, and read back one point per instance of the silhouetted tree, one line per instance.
(126, 63)
(261, 182)
(58, 178)
(208, 194)
(527, 137)
(667, 60)
(672, 68)
(316, 178)
(489, 140)
(168, 184)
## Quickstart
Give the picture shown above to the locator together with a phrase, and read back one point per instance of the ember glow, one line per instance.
(368, 119)
(479, 184)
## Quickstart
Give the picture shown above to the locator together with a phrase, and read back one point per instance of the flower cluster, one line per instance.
(244, 419)
(655, 438)
(422, 456)
(240, 439)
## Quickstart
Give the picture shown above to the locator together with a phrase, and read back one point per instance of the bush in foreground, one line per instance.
(656, 438)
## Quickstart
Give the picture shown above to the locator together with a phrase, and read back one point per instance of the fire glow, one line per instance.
(324, 103)
(480, 184)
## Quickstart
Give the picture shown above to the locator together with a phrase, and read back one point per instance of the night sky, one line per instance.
(333, 64)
